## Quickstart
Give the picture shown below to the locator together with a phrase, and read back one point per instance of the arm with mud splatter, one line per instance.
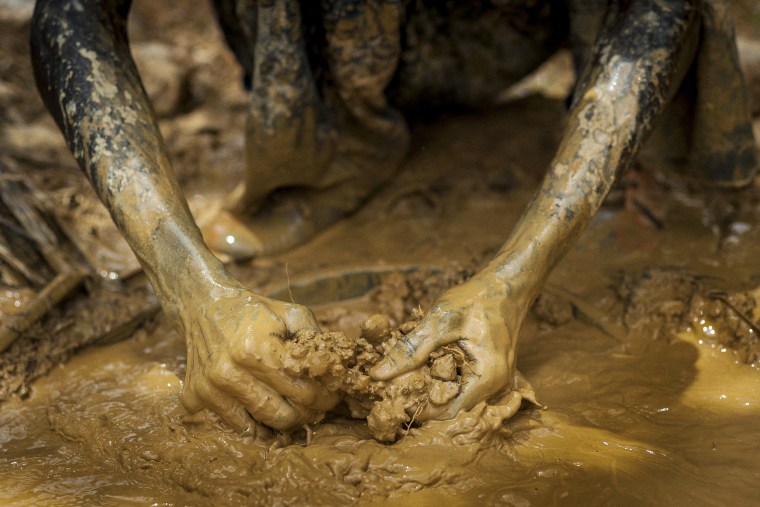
(90, 84)
(642, 51)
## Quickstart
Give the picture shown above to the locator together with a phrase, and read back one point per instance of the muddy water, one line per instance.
(630, 419)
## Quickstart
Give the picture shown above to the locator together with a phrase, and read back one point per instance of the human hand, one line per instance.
(480, 319)
(234, 348)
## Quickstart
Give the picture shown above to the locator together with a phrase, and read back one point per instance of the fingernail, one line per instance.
(381, 371)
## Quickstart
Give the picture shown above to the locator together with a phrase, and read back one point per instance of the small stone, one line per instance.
(408, 326)
(443, 392)
(444, 368)
(375, 329)
(385, 419)
(298, 351)
(319, 363)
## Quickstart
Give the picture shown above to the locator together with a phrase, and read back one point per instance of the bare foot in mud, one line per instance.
(288, 217)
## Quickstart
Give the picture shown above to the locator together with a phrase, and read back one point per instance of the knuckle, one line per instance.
(450, 318)
(406, 346)
(288, 419)
(222, 374)
(242, 353)
(305, 397)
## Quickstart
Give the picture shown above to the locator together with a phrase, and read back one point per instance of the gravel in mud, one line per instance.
(343, 365)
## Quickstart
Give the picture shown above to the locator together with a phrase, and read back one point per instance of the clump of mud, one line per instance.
(400, 295)
(342, 364)
(669, 300)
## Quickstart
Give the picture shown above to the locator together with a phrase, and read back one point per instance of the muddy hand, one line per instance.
(233, 363)
(477, 317)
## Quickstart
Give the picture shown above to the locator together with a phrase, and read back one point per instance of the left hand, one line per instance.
(478, 316)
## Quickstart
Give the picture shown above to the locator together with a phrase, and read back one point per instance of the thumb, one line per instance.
(299, 317)
(410, 352)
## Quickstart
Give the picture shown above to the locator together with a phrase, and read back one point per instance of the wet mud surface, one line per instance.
(638, 349)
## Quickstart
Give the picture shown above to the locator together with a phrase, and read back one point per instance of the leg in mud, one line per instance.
(321, 136)
(90, 84)
(637, 62)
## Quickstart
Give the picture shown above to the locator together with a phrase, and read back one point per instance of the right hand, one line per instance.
(234, 347)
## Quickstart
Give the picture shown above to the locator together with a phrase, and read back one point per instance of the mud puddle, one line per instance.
(634, 421)
(636, 414)
(639, 416)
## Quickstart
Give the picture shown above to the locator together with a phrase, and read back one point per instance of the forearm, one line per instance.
(637, 64)
(91, 86)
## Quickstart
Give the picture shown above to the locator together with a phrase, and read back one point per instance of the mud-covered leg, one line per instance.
(305, 168)
(638, 61)
(289, 140)
(90, 84)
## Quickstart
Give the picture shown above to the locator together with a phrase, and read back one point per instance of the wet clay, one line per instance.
(343, 365)
(633, 418)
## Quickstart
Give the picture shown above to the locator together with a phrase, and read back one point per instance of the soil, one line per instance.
(343, 364)
(640, 349)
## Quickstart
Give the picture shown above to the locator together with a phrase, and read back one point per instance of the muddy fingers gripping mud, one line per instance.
(393, 407)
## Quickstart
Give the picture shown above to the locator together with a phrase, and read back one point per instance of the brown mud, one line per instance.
(649, 377)
(391, 408)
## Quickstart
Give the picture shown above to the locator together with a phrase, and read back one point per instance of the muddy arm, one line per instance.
(90, 84)
(637, 63)
(641, 54)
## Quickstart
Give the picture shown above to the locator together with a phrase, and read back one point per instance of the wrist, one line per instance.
(505, 281)
(191, 282)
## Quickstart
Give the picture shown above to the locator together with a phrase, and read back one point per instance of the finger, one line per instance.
(261, 401)
(226, 407)
(267, 368)
(190, 399)
(411, 351)
(270, 408)
(471, 392)
(302, 391)
(232, 413)
(505, 407)
(299, 317)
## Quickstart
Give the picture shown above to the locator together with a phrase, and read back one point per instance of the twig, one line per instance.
(309, 434)
(52, 294)
(287, 276)
(723, 298)
(416, 414)
(20, 197)
(7, 256)
(125, 329)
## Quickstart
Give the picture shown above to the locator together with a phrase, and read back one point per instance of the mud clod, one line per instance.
(376, 328)
(342, 364)
(443, 392)
(444, 368)
(669, 300)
